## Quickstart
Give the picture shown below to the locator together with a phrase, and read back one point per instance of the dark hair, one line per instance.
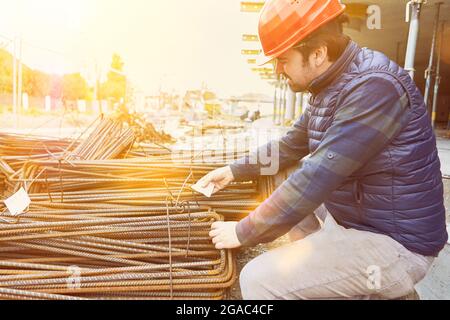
(330, 35)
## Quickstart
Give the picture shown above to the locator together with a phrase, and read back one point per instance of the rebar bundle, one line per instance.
(105, 228)
(128, 182)
(125, 257)
(106, 141)
(142, 128)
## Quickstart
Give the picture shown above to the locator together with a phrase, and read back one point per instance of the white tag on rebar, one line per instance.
(207, 192)
(18, 202)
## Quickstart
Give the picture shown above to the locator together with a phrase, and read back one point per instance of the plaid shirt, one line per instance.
(370, 115)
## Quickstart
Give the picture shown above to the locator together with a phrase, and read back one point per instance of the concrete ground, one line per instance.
(444, 155)
(436, 284)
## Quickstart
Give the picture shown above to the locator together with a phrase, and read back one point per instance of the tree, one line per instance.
(6, 74)
(74, 87)
(115, 86)
(5, 71)
(41, 84)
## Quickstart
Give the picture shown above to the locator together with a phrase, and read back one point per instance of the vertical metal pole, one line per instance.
(300, 104)
(19, 85)
(280, 101)
(429, 72)
(290, 104)
(15, 82)
(438, 77)
(414, 26)
(285, 92)
(275, 101)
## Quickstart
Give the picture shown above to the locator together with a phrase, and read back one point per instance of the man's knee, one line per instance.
(252, 281)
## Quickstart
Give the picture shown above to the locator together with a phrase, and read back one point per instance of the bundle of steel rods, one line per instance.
(106, 141)
(142, 128)
(25, 145)
(128, 182)
(99, 227)
(87, 255)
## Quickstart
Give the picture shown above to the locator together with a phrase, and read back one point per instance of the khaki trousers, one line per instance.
(327, 261)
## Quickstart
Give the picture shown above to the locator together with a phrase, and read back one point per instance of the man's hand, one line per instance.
(224, 235)
(221, 178)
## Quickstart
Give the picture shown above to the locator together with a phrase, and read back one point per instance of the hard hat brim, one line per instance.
(262, 60)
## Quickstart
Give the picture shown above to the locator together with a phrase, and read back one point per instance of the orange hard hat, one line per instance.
(284, 23)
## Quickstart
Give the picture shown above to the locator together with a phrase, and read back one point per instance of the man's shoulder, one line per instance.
(374, 83)
(371, 63)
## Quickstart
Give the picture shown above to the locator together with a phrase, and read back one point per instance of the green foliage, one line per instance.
(5, 71)
(41, 84)
(115, 86)
(70, 86)
(74, 87)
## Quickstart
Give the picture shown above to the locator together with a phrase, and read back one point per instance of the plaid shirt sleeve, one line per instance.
(370, 115)
(292, 148)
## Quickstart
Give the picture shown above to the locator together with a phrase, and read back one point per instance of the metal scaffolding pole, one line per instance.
(429, 72)
(414, 24)
(298, 104)
(19, 83)
(15, 81)
(275, 101)
(285, 91)
(438, 77)
(290, 104)
(280, 102)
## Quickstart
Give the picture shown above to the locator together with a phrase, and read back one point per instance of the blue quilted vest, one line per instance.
(399, 193)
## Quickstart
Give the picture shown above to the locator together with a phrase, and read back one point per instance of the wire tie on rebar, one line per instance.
(169, 192)
(170, 249)
(189, 230)
(48, 187)
(60, 181)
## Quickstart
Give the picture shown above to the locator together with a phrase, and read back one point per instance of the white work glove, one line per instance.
(221, 178)
(224, 235)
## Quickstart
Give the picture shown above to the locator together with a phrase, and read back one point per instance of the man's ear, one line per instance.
(321, 55)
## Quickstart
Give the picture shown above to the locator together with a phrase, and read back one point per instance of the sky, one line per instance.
(172, 44)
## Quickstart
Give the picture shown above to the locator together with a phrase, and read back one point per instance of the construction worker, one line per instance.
(365, 211)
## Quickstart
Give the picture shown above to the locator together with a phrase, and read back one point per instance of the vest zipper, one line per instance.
(358, 195)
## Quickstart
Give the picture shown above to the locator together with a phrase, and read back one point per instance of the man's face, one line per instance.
(300, 73)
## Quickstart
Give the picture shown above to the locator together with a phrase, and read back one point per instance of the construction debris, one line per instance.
(142, 128)
(107, 140)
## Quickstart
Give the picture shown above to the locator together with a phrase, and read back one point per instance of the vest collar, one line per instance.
(336, 69)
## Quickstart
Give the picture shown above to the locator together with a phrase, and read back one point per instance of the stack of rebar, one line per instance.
(130, 182)
(130, 228)
(99, 227)
(106, 141)
(88, 255)
(143, 129)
